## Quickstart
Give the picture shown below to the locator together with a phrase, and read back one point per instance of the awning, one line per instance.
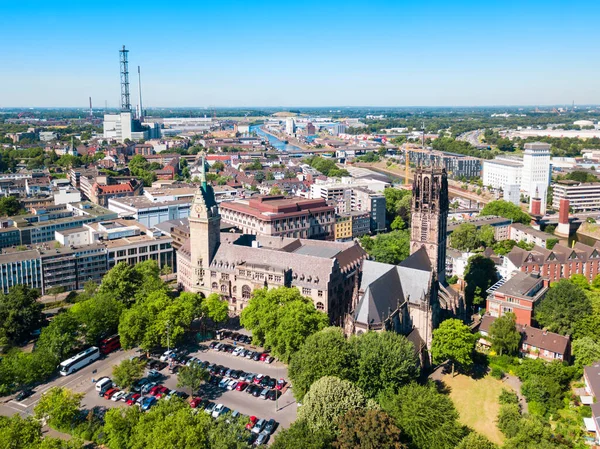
(587, 400)
(590, 426)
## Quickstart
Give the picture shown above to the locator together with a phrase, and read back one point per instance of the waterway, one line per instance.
(277, 143)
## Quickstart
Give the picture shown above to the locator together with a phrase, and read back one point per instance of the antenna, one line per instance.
(125, 102)
(141, 113)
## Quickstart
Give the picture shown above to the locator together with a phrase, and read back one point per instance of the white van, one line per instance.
(103, 382)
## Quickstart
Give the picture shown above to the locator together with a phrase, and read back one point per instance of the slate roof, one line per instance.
(559, 254)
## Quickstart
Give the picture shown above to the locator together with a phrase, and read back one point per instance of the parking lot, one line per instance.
(283, 410)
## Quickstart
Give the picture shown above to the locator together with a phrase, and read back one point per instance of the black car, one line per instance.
(271, 383)
(247, 339)
(229, 349)
(264, 382)
(214, 380)
(271, 426)
(213, 344)
(222, 370)
(226, 334)
(235, 374)
(273, 394)
(257, 391)
(24, 394)
(234, 336)
(152, 363)
(256, 356)
(251, 388)
(182, 394)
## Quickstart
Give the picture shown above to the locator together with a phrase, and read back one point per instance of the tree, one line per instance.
(367, 429)
(216, 308)
(486, 235)
(119, 426)
(301, 435)
(59, 406)
(327, 399)
(325, 353)
(507, 210)
(453, 341)
(551, 243)
(9, 206)
(126, 373)
(20, 313)
(426, 417)
(580, 280)
(465, 238)
(564, 305)
(391, 248)
(386, 360)
(223, 434)
(218, 166)
(122, 281)
(476, 441)
(480, 275)
(20, 433)
(503, 247)
(398, 224)
(504, 336)
(60, 336)
(192, 376)
(99, 316)
(585, 351)
(281, 319)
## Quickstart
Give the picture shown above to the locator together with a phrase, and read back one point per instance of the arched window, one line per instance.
(224, 288)
(215, 286)
(246, 292)
(234, 289)
(320, 306)
(426, 190)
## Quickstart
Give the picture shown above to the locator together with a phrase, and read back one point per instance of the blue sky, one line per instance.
(307, 53)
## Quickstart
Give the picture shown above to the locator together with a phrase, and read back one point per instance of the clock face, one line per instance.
(198, 209)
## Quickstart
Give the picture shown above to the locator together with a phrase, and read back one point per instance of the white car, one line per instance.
(232, 384)
(237, 351)
(218, 410)
(191, 361)
(118, 396)
(166, 354)
(224, 382)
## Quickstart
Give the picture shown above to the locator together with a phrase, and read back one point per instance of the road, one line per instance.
(283, 410)
(473, 137)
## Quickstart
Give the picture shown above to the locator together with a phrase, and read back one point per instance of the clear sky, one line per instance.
(304, 53)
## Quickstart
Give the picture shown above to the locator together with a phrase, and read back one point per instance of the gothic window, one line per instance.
(320, 306)
(224, 288)
(426, 191)
(215, 286)
(234, 290)
(246, 292)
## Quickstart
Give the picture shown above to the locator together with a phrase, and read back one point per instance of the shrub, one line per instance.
(497, 373)
(508, 397)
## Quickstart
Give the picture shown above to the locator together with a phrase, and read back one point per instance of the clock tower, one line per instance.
(205, 223)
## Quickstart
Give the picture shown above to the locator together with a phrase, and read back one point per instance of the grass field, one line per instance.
(477, 403)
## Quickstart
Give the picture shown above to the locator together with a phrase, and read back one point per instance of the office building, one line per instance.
(582, 196)
(501, 225)
(290, 126)
(499, 173)
(148, 212)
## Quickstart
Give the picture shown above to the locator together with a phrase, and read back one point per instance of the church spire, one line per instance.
(203, 174)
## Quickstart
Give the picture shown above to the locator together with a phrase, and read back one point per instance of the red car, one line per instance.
(251, 423)
(155, 389)
(110, 392)
(263, 356)
(241, 386)
(162, 392)
(132, 400)
(195, 402)
(258, 378)
(280, 384)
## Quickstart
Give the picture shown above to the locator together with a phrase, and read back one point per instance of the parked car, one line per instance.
(256, 356)
(269, 359)
(250, 354)
(118, 396)
(241, 386)
(155, 389)
(251, 388)
(257, 391)
(165, 356)
(232, 384)
(259, 426)
(191, 361)
(280, 384)
(271, 426)
(214, 380)
(222, 370)
(213, 344)
(264, 382)
(237, 352)
(219, 410)
(24, 394)
(110, 392)
(210, 406)
(147, 387)
(133, 398)
(243, 352)
(250, 378)
(258, 378)
(273, 394)
(195, 402)
(224, 382)
(263, 356)
(251, 421)
(148, 402)
(263, 438)
(138, 385)
(162, 392)
(153, 374)
(272, 383)
(264, 393)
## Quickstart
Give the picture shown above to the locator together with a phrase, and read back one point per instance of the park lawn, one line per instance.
(476, 401)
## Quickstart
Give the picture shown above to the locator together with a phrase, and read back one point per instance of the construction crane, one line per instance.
(406, 165)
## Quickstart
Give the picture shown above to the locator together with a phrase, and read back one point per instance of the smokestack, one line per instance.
(141, 112)
(563, 229)
(91, 110)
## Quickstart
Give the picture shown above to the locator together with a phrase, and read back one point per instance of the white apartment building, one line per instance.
(582, 196)
(498, 173)
(290, 126)
(66, 195)
(520, 232)
(150, 213)
(535, 176)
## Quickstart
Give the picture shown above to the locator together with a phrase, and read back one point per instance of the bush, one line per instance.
(508, 397)
(497, 373)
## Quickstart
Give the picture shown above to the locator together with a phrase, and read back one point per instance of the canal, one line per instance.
(274, 141)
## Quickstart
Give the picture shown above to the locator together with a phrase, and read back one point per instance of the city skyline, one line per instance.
(383, 54)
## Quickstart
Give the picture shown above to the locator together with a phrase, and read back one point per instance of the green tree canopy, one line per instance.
(454, 341)
(327, 399)
(507, 210)
(9, 206)
(426, 417)
(98, 316)
(385, 360)
(480, 275)
(301, 435)
(465, 237)
(20, 313)
(126, 373)
(192, 377)
(585, 351)
(215, 308)
(391, 248)
(281, 319)
(59, 406)
(60, 337)
(504, 336)
(367, 429)
(564, 305)
(476, 441)
(486, 235)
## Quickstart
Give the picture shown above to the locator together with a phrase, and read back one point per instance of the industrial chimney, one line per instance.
(563, 229)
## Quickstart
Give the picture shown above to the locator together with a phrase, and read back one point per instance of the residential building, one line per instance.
(582, 196)
(290, 126)
(361, 223)
(520, 232)
(501, 225)
(535, 343)
(536, 170)
(559, 262)
(456, 165)
(65, 195)
(20, 267)
(366, 200)
(279, 216)
(518, 294)
(343, 227)
(150, 213)
(591, 378)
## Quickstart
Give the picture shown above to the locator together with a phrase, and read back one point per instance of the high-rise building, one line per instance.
(290, 126)
(536, 171)
(429, 217)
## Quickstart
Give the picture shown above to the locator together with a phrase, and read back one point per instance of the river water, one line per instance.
(274, 140)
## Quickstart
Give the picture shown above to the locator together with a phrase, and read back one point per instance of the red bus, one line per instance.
(110, 344)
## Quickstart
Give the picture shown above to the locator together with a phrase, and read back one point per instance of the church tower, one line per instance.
(430, 216)
(205, 234)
